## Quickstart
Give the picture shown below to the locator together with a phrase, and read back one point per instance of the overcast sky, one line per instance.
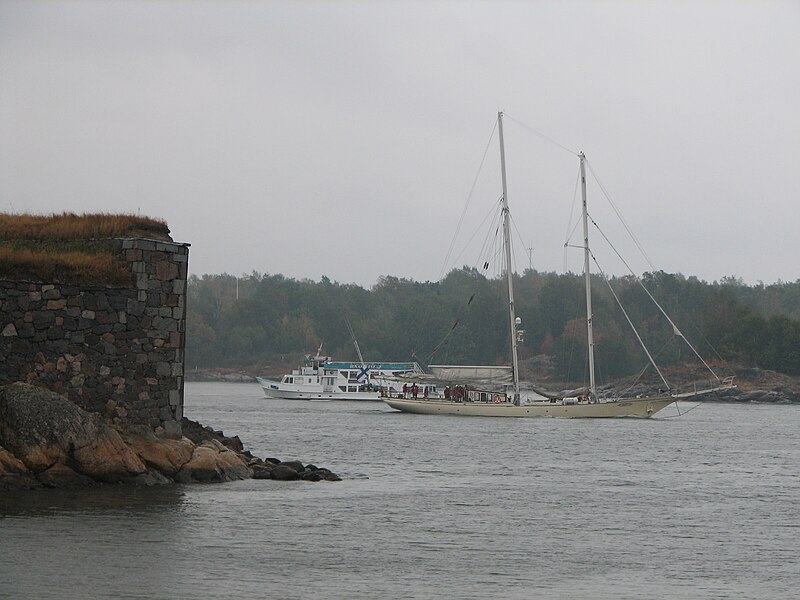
(343, 138)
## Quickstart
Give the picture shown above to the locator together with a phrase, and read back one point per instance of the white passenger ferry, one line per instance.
(319, 378)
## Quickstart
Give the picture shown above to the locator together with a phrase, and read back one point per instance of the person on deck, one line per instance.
(414, 391)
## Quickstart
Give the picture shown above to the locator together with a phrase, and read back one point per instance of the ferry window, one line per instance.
(290, 380)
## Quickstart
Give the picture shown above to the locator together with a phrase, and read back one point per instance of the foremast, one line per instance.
(509, 275)
(588, 277)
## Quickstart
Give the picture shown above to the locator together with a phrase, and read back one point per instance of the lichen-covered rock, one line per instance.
(42, 428)
(165, 455)
(213, 462)
(46, 440)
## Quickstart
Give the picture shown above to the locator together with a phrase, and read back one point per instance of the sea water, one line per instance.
(702, 506)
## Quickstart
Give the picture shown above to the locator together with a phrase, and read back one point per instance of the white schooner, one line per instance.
(494, 391)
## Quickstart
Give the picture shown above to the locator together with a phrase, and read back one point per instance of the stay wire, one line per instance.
(675, 329)
(619, 216)
(467, 203)
(541, 135)
(485, 255)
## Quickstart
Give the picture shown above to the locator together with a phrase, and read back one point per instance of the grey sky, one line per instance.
(342, 138)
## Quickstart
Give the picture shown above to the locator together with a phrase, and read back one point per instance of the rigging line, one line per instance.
(484, 253)
(540, 134)
(469, 199)
(620, 217)
(569, 233)
(355, 341)
(675, 329)
(490, 241)
(519, 233)
(680, 414)
(624, 312)
(474, 233)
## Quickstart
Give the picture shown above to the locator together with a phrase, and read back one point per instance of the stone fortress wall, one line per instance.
(118, 351)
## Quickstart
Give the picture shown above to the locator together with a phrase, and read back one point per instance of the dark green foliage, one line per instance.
(463, 319)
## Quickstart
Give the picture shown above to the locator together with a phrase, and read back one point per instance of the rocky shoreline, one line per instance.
(46, 441)
(753, 385)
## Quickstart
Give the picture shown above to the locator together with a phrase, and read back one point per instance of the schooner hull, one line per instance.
(642, 408)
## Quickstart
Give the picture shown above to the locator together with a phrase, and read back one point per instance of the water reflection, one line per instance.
(102, 499)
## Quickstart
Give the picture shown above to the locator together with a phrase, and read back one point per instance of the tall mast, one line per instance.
(588, 276)
(509, 277)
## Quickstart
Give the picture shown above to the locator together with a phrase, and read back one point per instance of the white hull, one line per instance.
(273, 389)
(634, 407)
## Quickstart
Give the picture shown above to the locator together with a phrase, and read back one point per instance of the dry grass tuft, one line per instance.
(70, 248)
(66, 267)
(69, 226)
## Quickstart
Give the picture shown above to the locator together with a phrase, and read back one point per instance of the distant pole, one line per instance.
(530, 258)
(237, 287)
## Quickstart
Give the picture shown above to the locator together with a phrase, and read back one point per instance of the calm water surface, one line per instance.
(703, 506)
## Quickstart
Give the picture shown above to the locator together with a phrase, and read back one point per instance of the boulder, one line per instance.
(165, 455)
(47, 440)
(262, 471)
(294, 464)
(42, 428)
(14, 475)
(283, 472)
(61, 476)
(213, 462)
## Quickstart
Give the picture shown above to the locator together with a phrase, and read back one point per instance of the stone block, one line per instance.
(163, 369)
(133, 255)
(146, 245)
(172, 428)
(176, 339)
(56, 304)
(25, 330)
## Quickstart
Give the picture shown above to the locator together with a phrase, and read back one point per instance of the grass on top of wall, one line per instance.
(70, 248)
(69, 226)
(64, 267)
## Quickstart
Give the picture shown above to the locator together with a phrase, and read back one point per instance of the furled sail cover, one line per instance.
(479, 373)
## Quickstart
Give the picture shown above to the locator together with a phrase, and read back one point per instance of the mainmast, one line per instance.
(588, 276)
(509, 276)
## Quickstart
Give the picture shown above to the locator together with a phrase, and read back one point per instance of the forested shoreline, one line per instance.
(266, 322)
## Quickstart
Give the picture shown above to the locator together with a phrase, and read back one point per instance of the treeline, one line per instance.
(463, 319)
